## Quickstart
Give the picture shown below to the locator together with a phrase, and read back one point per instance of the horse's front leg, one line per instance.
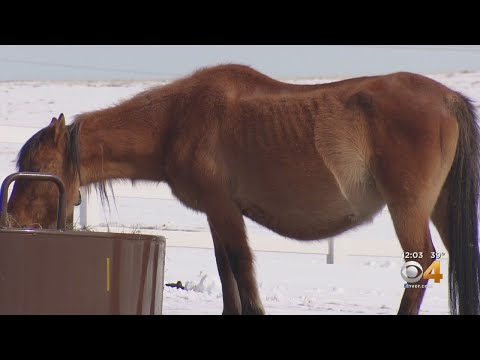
(231, 298)
(234, 257)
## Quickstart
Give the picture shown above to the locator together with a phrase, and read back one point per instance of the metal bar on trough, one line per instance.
(62, 201)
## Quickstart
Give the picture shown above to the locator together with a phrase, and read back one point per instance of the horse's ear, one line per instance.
(59, 127)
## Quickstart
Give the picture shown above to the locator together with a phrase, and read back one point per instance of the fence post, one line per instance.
(90, 212)
(84, 209)
(331, 251)
(337, 253)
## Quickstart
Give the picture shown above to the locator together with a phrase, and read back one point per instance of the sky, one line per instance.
(165, 62)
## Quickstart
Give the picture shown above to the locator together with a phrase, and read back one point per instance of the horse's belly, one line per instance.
(306, 205)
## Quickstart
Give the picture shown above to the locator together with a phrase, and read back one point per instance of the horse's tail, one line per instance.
(463, 191)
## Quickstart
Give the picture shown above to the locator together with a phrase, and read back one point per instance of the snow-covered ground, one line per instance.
(294, 283)
(293, 277)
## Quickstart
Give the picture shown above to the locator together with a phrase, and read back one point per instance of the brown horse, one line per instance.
(307, 161)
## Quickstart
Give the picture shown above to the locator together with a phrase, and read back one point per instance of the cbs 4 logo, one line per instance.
(412, 272)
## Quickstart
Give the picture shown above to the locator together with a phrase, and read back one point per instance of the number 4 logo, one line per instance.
(433, 272)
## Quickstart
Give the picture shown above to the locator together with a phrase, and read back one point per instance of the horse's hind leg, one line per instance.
(234, 257)
(411, 226)
(231, 298)
(411, 193)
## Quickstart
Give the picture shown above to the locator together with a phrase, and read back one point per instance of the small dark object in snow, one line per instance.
(177, 285)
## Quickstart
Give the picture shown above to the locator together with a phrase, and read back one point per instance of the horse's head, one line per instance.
(34, 203)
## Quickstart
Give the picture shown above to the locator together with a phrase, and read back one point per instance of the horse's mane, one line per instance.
(25, 154)
(72, 157)
(73, 161)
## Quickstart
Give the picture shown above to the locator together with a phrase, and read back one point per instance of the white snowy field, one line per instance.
(293, 277)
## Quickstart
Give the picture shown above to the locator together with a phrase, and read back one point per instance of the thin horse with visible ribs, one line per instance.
(306, 161)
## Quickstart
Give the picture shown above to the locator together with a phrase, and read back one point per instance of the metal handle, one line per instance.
(62, 201)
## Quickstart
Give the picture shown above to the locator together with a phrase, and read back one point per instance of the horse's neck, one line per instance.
(122, 143)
